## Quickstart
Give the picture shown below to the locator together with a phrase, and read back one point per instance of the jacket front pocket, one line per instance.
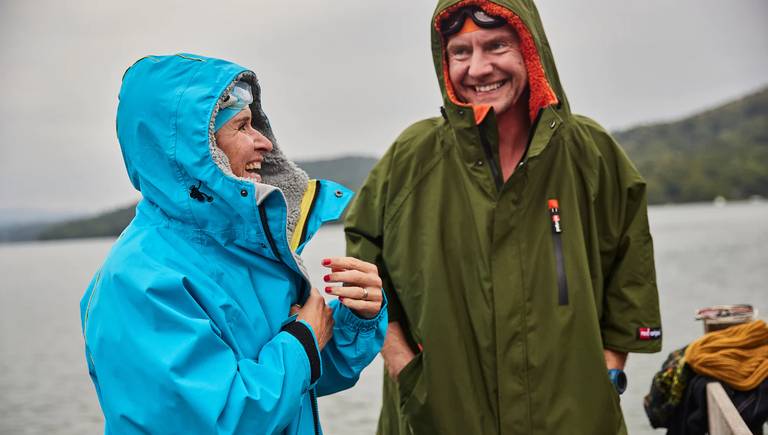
(412, 391)
(408, 377)
(557, 240)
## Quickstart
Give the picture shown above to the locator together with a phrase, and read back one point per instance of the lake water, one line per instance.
(705, 255)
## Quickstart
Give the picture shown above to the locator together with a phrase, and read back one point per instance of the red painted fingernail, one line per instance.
(328, 290)
(341, 298)
(326, 261)
(327, 278)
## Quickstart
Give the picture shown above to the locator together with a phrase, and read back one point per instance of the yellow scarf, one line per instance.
(737, 356)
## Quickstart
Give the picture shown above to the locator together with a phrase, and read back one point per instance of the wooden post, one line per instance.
(724, 419)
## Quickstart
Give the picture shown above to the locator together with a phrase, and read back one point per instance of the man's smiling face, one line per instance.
(486, 67)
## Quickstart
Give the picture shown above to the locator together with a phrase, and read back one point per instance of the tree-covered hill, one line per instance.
(719, 152)
(108, 224)
(349, 171)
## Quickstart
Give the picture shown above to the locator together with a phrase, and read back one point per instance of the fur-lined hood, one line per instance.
(165, 127)
(165, 124)
(543, 79)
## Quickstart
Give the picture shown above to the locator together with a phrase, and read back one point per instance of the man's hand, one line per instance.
(614, 360)
(318, 315)
(396, 352)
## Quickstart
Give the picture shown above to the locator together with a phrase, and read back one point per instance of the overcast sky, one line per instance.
(338, 77)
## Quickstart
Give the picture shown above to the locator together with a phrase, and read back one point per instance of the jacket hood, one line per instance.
(543, 80)
(166, 132)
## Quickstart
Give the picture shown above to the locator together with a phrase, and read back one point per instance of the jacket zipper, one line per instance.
(495, 173)
(315, 417)
(304, 231)
(531, 133)
(273, 246)
(265, 226)
(557, 230)
(271, 240)
(491, 160)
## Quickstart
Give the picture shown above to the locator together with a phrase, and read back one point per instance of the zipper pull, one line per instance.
(554, 214)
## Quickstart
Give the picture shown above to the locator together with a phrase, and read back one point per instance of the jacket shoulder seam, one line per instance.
(424, 170)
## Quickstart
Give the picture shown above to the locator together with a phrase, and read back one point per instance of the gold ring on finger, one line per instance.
(365, 293)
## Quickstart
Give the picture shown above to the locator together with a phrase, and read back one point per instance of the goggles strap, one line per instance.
(469, 26)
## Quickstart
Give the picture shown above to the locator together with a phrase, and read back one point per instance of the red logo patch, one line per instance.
(646, 334)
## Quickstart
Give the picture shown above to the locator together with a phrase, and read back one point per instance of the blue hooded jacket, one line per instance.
(186, 324)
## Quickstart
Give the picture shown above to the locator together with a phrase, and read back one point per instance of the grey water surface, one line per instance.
(705, 255)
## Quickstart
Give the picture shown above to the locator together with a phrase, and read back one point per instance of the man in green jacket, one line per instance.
(512, 238)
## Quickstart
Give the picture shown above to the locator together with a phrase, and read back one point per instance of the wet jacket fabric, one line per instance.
(508, 312)
(186, 324)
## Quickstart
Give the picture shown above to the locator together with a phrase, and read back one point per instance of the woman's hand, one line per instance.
(318, 315)
(361, 290)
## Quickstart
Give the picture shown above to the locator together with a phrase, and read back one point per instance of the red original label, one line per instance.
(646, 334)
(554, 213)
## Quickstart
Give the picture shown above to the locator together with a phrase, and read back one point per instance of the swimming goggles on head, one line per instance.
(231, 104)
(453, 24)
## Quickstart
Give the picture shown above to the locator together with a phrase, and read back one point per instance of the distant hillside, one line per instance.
(19, 224)
(10, 216)
(719, 152)
(349, 171)
(108, 224)
(21, 232)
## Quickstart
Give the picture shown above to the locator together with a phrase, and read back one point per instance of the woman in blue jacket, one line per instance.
(202, 318)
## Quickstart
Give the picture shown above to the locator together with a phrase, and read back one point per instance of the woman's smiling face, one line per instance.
(244, 146)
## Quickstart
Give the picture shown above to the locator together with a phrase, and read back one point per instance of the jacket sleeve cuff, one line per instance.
(645, 340)
(349, 319)
(394, 308)
(303, 332)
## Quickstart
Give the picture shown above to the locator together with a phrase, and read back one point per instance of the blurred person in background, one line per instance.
(512, 238)
(202, 318)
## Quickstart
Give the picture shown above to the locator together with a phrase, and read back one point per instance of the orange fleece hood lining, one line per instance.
(541, 93)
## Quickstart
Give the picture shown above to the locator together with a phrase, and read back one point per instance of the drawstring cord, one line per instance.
(195, 193)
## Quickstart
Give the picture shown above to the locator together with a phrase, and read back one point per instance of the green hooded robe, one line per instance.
(508, 291)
